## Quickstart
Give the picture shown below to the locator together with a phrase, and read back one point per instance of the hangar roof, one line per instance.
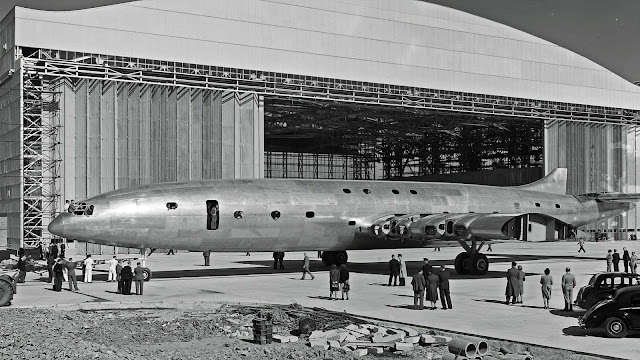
(399, 42)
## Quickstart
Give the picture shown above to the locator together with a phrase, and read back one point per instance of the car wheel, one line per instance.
(615, 327)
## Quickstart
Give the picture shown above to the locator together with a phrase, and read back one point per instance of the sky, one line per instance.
(605, 31)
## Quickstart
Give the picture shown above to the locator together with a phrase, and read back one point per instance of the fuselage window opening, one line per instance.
(346, 191)
(213, 218)
(351, 223)
(275, 214)
(413, 192)
(395, 191)
(172, 206)
(310, 214)
(238, 214)
(557, 206)
(366, 191)
(537, 204)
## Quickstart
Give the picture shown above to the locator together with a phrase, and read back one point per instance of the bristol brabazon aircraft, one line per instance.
(333, 215)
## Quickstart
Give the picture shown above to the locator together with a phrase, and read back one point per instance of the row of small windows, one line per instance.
(557, 205)
(367, 191)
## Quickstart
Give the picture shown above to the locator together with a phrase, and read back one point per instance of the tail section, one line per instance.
(555, 183)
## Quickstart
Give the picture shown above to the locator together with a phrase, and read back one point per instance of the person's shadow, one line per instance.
(564, 313)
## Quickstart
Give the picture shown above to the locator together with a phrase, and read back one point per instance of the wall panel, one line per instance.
(81, 149)
(122, 137)
(94, 143)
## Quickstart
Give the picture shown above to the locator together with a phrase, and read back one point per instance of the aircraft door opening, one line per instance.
(213, 220)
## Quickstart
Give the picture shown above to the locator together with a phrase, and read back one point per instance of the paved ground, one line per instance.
(477, 301)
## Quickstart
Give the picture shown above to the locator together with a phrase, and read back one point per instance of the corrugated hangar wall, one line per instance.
(600, 158)
(117, 135)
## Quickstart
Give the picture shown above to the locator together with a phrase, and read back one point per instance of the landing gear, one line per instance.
(472, 261)
(334, 257)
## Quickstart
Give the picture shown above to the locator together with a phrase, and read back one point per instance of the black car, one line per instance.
(602, 285)
(618, 315)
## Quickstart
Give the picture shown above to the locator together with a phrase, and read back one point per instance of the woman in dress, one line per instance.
(403, 270)
(334, 282)
(521, 276)
(546, 281)
(432, 288)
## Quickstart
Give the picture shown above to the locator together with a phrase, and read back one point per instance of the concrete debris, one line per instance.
(374, 350)
(442, 339)
(412, 339)
(334, 344)
(360, 352)
(280, 338)
(319, 344)
(426, 339)
(403, 346)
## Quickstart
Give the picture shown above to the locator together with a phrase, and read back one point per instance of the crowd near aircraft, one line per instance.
(335, 216)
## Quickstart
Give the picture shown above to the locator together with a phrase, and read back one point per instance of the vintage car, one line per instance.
(618, 315)
(602, 285)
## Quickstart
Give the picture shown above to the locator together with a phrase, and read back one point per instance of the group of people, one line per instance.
(630, 262)
(278, 258)
(515, 286)
(426, 284)
(338, 280)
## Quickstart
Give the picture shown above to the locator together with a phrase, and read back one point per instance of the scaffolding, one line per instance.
(40, 159)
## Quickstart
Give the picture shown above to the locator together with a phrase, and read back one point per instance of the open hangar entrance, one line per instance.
(334, 140)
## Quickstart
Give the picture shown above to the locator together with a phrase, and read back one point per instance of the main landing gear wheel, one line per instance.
(147, 274)
(341, 257)
(479, 264)
(334, 257)
(462, 263)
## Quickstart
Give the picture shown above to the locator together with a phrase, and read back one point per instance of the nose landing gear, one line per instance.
(471, 261)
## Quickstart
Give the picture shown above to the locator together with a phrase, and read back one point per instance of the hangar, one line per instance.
(151, 91)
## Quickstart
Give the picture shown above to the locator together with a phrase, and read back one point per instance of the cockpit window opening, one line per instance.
(275, 214)
(310, 214)
(172, 206)
(213, 219)
(238, 214)
(78, 208)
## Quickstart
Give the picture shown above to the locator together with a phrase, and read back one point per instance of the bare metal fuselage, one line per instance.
(314, 214)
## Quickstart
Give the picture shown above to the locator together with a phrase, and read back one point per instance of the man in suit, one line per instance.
(138, 276)
(126, 275)
(616, 260)
(609, 260)
(394, 270)
(71, 272)
(419, 285)
(281, 259)
(511, 293)
(568, 283)
(625, 259)
(426, 268)
(444, 276)
(119, 277)
(207, 257)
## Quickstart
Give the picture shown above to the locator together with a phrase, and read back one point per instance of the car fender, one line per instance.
(11, 280)
(619, 313)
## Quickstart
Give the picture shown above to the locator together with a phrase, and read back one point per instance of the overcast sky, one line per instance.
(605, 31)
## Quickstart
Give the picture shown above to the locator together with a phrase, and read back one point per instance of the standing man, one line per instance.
(275, 260)
(581, 243)
(444, 276)
(616, 260)
(305, 268)
(609, 260)
(394, 270)
(119, 277)
(71, 272)
(281, 259)
(207, 257)
(633, 262)
(51, 261)
(138, 273)
(127, 276)
(112, 269)
(57, 276)
(419, 285)
(403, 270)
(63, 248)
(625, 259)
(511, 292)
(22, 269)
(426, 268)
(568, 283)
(88, 264)
(344, 281)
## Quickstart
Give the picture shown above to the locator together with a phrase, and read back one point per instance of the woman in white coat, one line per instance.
(403, 270)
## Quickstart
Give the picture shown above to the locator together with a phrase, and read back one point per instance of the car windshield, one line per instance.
(592, 280)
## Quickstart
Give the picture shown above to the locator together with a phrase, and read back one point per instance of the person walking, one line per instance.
(521, 276)
(281, 259)
(616, 260)
(443, 285)
(113, 262)
(171, 252)
(127, 277)
(581, 243)
(403, 270)
(344, 281)
(568, 283)
(334, 282)
(119, 277)
(207, 257)
(275, 260)
(633, 262)
(432, 289)
(625, 259)
(511, 292)
(609, 260)
(71, 273)
(419, 284)
(88, 265)
(305, 268)
(489, 247)
(394, 270)
(138, 276)
(57, 276)
(546, 281)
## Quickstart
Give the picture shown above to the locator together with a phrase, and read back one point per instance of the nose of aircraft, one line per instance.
(56, 227)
